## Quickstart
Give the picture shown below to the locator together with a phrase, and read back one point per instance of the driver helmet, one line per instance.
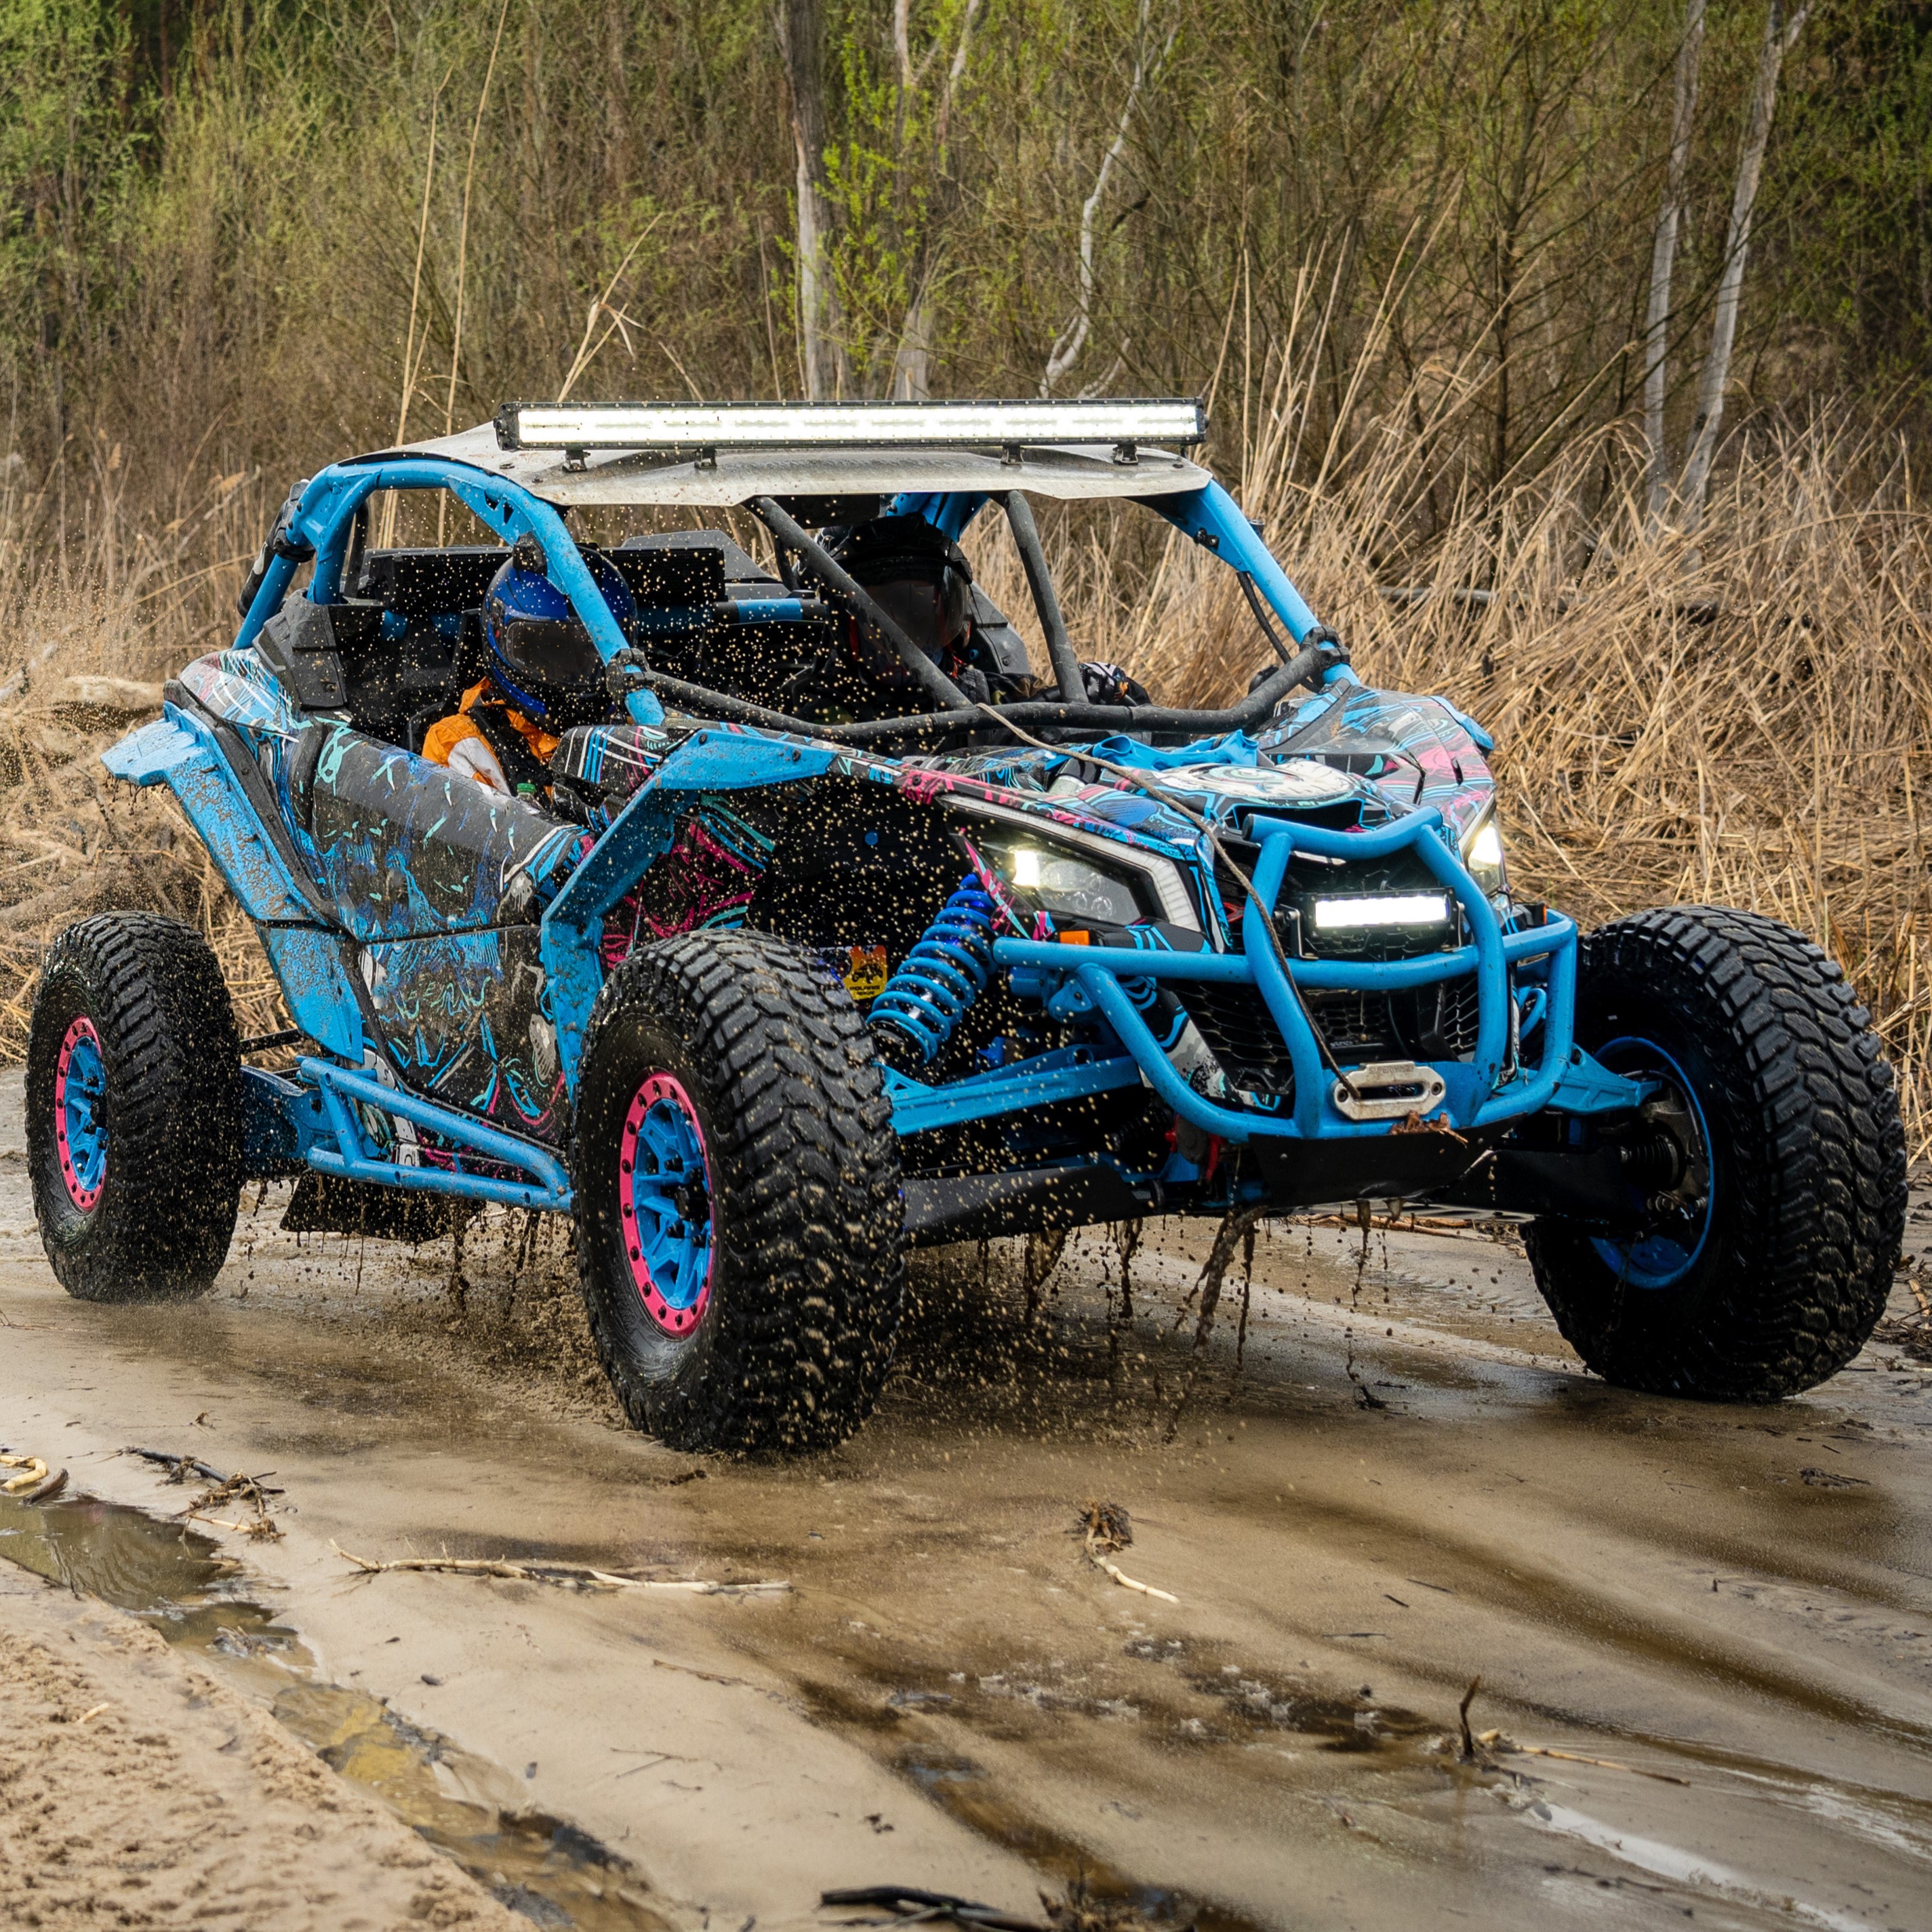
(541, 652)
(921, 580)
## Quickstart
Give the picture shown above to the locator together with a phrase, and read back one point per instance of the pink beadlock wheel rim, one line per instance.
(664, 1201)
(80, 1126)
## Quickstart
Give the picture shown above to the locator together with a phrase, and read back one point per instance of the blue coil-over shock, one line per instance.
(925, 1000)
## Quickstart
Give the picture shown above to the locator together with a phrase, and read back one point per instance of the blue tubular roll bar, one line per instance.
(1477, 1095)
(334, 495)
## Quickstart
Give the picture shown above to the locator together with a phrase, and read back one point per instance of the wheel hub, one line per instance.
(80, 1118)
(1666, 1156)
(664, 1199)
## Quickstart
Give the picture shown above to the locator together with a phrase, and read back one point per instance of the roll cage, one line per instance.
(516, 493)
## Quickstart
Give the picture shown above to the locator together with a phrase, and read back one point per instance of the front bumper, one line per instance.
(1483, 1091)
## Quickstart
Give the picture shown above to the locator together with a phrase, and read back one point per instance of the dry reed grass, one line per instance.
(1737, 721)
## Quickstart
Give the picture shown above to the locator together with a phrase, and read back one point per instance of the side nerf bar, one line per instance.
(547, 1188)
(1477, 1092)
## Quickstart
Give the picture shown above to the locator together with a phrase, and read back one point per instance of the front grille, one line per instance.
(1436, 1022)
(1241, 1034)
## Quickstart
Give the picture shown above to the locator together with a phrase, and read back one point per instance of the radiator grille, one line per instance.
(1437, 1022)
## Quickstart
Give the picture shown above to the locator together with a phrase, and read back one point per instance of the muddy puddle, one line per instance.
(177, 1579)
(1710, 1629)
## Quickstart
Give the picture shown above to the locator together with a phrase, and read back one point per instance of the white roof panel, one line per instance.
(617, 476)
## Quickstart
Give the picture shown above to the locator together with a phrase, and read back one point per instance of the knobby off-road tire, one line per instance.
(133, 1110)
(740, 1226)
(1806, 1159)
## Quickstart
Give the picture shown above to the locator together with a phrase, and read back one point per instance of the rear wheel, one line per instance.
(1770, 1154)
(739, 1218)
(133, 1110)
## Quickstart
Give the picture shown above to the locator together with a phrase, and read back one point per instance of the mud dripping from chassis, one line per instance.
(176, 1580)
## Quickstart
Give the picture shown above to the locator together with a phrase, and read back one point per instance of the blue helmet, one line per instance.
(540, 649)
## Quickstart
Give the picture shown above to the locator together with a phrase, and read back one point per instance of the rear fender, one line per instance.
(178, 750)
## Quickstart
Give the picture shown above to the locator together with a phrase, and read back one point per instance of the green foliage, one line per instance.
(208, 244)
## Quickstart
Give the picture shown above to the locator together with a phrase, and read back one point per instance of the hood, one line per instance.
(1357, 756)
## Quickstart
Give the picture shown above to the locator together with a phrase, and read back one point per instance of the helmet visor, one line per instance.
(923, 610)
(552, 652)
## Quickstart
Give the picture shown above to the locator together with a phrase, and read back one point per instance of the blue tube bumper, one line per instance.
(1484, 1090)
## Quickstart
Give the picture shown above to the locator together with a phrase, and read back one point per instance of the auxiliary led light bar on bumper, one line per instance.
(1396, 909)
(721, 426)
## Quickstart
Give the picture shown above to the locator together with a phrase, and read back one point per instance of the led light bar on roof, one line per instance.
(721, 426)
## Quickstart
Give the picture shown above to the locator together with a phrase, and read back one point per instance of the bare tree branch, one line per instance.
(1780, 32)
(1065, 350)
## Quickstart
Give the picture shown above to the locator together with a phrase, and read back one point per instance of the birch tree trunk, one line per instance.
(1068, 344)
(1663, 254)
(1781, 30)
(821, 347)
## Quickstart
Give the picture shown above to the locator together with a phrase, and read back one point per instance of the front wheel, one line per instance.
(133, 1110)
(739, 1219)
(1772, 1158)
(1772, 1152)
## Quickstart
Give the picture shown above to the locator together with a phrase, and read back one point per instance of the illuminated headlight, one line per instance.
(1483, 856)
(1392, 909)
(1069, 887)
(1073, 874)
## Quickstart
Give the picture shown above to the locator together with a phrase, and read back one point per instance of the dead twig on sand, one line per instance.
(253, 1491)
(180, 1467)
(567, 1576)
(1105, 1528)
(911, 1906)
(1496, 1740)
(247, 1490)
(1469, 1753)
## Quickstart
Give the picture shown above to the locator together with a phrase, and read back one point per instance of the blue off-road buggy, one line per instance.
(762, 989)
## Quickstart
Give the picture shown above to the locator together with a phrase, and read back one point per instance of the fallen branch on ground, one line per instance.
(253, 1490)
(1106, 1527)
(180, 1467)
(1496, 1740)
(912, 1905)
(569, 1575)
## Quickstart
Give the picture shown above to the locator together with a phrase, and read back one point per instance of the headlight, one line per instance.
(1483, 856)
(1067, 886)
(1076, 874)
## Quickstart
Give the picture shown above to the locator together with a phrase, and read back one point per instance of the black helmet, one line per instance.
(920, 579)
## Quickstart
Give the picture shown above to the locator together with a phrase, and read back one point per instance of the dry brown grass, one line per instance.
(1736, 720)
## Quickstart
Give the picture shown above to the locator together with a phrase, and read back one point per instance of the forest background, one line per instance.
(1575, 354)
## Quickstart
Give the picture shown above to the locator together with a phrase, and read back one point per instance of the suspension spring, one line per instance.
(925, 1000)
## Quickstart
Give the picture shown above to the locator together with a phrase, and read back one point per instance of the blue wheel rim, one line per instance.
(664, 1199)
(80, 1114)
(1657, 1261)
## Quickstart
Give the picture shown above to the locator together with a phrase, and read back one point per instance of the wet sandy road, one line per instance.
(1409, 1485)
